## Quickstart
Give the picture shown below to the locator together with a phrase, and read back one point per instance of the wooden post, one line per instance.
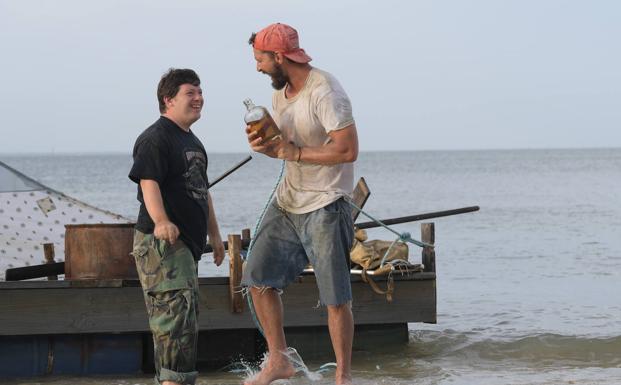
(427, 235)
(245, 235)
(48, 251)
(235, 273)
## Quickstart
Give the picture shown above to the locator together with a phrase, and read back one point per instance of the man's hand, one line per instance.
(287, 151)
(166, 231)
(256, 143)
(275, 148)
(218, 249)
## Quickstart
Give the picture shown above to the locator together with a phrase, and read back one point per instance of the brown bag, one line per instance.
(369, 254)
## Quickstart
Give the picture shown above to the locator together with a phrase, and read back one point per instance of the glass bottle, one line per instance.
(260, 121)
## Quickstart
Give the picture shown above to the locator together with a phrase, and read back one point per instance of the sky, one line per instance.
(80, 76)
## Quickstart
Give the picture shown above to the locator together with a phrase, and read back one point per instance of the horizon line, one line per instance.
(60, 153)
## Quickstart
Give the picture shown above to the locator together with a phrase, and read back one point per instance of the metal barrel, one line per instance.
(99, 251)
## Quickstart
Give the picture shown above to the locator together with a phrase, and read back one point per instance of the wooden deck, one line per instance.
(117, 306)
(100, 326)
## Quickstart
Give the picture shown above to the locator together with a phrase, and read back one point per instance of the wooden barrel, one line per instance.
(99, 251)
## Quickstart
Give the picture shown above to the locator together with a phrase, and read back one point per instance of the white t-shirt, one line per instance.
(306, 119)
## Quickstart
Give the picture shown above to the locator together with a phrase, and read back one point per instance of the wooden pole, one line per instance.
(427, 235)
(417, 217)
(235, 273)
(245, 237)
(48, 251)
(238, 165)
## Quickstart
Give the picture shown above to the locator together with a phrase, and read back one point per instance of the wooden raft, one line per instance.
(117, 305)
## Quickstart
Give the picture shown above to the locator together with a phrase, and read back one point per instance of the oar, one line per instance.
(230, 171)
(417, 217)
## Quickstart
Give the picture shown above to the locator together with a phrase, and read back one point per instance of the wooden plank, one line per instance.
(427, 234)
(83, 310)
(360, 196)
(89, 283)
(34, 271)
(107, 309)
(40, 284)
(202, 281)
(245, 236)
(48, 252)
(235, 274)
(6, 286)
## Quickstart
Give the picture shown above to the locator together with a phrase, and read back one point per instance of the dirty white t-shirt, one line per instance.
(306, 119)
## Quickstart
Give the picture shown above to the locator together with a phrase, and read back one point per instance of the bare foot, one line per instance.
(343, 380)
(271, 372)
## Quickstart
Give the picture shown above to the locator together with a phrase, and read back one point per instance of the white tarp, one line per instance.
(32, 214)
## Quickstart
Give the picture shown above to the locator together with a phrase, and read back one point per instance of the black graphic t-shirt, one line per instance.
(177, 161)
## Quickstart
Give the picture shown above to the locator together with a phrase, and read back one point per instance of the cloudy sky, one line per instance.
(80, 76)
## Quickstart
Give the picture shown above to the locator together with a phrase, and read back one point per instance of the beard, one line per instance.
(279, 78)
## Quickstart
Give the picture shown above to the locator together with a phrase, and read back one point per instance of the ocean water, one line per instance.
(529, 287)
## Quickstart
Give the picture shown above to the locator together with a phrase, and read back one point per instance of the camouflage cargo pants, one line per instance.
(168, 275)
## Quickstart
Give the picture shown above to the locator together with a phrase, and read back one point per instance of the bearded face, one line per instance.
(279, 78)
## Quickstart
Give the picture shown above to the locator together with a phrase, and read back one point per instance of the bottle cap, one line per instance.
(248, 103)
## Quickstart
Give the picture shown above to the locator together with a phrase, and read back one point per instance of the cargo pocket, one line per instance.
(148, 265)
(172, 313)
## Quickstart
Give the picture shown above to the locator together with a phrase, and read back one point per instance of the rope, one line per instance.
(403, 237)
(388, 252)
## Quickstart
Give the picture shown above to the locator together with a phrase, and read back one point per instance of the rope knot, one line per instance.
(405, 236)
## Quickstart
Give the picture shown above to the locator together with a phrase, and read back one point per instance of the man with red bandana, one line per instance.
(310, 220)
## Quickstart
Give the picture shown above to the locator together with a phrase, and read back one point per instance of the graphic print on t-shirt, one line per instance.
(196, 174)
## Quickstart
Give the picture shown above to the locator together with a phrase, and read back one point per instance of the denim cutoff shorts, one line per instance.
(286, 243)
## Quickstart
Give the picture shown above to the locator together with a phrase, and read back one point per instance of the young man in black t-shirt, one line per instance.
(176, 215)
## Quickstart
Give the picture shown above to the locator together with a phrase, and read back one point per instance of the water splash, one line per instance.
(250, 372)
(300, 367)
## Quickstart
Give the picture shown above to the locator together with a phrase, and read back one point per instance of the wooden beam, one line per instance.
(48, 307)
(360, 196)
(235, 274)
(48, 252)
(428, 236)
(245, 237)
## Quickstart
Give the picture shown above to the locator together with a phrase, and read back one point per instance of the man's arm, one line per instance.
(342, 148)
(215, 240)
(164, 228)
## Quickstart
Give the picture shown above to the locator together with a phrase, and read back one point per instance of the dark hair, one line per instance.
(171, 81)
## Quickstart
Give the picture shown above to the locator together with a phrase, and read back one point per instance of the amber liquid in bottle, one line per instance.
(260, 121)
